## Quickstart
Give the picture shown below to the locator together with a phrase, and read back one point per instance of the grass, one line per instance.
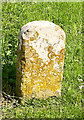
(68, 15)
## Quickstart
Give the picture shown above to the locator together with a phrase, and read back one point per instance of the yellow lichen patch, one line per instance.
(40, 70)
(37, 34)
(57, 28)
(38, 88)
(34, 36)
(62, 37)
(26, 41)
(61, 59)
(50, 48)
(62, 51)
(46, 39)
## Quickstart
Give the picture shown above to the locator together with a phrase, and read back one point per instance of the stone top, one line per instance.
(43, 34)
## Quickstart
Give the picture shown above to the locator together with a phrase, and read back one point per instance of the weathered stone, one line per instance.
(40, 60)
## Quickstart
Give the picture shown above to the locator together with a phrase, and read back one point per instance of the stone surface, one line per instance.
(40, 60)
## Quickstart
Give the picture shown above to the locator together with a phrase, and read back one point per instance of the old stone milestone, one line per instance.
(40, 60)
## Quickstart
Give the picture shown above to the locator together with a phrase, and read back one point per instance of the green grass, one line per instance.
(65, 14)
